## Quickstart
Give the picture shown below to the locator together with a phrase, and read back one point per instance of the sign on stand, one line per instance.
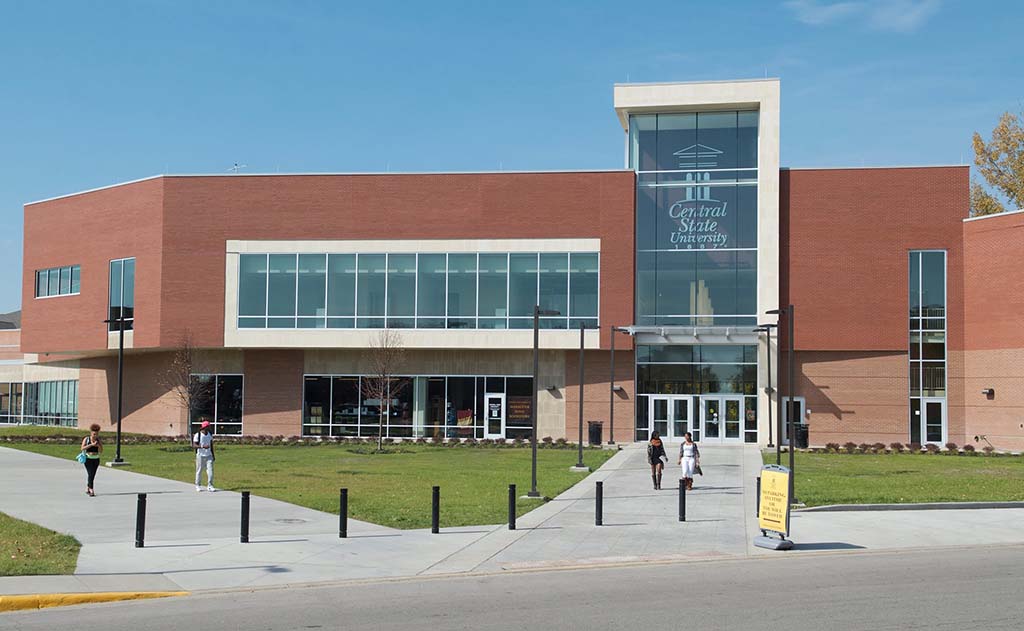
(773, 508)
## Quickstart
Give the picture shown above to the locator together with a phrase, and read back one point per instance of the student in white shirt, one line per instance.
(202, 442)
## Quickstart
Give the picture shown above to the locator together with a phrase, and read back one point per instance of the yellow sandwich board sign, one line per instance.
(773, 507)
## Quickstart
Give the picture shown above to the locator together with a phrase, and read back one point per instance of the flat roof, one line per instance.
(319, 174)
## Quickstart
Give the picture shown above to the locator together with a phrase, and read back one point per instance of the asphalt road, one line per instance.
(964, 588)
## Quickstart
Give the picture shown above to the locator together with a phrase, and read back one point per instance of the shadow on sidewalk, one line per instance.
(827, 545)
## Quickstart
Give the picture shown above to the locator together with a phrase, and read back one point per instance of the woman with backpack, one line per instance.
(656, 458)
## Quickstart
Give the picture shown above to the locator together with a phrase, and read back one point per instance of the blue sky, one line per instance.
(94, 93)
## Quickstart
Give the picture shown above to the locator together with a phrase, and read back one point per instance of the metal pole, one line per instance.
(778, 400)
(599, 504)
(533, 409)
(435, 510)
(244, 535)
(757, 497)
(343, 513)
(120, 383)
(611, 391)
(682, 499)
(579, 457)
(792, 421)
(511, 506)
(140, 521)
(768, 335)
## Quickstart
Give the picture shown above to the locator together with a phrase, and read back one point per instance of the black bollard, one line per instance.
(599, 505)
(435, 510)
(757, 511)
(682, 500)
(343, 513)
(140, 521)
(511, 506)
(244, 536)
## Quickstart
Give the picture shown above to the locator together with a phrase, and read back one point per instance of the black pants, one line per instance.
(91, 465)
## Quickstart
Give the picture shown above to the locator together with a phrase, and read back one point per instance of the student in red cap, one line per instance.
(202, 442)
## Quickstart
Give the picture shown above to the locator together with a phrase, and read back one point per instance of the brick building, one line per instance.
(283, 283)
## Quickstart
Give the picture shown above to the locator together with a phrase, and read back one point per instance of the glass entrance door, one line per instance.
(494, 405)
(721, 417)
(933, 421)
(670, 417)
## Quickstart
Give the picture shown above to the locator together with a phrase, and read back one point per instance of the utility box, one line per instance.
(594, 432)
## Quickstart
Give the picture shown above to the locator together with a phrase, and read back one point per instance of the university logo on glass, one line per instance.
(698, 217)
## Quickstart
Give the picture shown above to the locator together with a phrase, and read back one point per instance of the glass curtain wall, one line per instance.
(424, 291)
(435, 407)
(928, 346)
(40, 403)
(219, 400)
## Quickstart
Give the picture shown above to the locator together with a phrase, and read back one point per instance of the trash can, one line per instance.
(594, 432)
(802, 432)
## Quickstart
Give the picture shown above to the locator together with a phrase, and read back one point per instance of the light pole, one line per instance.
(537, 313)
(791, 422)
(767, 330)
(120, 376)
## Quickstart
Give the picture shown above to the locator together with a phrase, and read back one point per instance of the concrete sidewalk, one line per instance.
(192, 538)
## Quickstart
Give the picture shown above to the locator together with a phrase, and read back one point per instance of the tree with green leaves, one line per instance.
(1001, 162)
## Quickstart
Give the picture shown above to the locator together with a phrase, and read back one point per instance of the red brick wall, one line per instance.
(994, 335)
(273, 392)
(90, 230)
(845, 235)
(202, 213)
(597, 366)
(10, 344)
(148, 408)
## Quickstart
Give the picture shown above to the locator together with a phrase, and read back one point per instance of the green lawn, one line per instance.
(27, 549)
(391, 489)
(903, 478)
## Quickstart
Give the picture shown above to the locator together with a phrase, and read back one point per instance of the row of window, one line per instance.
(466, 290)
(716, 142)
(675, 287)
(40, 403)
(58, 281)
(418, 407)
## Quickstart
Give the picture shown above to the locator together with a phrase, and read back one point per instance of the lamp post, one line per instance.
(537, 313)
(791, 422)
(120, 380)
(767, 330)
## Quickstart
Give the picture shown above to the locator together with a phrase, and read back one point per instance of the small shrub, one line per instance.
(561, 442)
(969, 449)
(896, 447)
(878, 447)
(547, 440)
(864, 448)
(932, 448)
(951, 446)
(988, 449)
(832, 447)
(850, 447)
(914, 447)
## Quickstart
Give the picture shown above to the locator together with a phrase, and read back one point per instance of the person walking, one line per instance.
(92, 447)
(657, 458)
(689, 458)
(202, 442)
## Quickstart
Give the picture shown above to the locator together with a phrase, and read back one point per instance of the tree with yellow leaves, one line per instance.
(1001, 163)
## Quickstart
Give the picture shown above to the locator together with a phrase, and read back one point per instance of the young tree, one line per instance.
(384, 358)
(178, 377)
(1001, 162)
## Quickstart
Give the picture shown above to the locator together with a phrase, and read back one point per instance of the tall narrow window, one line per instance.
(122, 293)
(927, 301)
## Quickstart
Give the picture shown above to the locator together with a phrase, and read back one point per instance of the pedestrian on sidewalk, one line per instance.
(657, 458)
(92, 447)
(202, 442)
(689, 458)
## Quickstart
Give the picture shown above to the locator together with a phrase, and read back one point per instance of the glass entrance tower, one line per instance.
(706, 253)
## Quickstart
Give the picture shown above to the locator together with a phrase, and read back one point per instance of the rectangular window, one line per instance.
(252, 285)
(430, 291)
(927, 356)
(371, 286)
(522, 289)
(493, 289)
(554, 289)
(341, 291)
(122, 294)
(58, 281)
(312, 291)
(281, 269)
(401, 291)
(462, 275)
(45, 403)
(219, 401)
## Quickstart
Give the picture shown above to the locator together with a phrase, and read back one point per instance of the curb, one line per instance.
(44, 601)
(835, 508)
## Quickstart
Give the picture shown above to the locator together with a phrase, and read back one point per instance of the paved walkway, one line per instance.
(192, 538)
